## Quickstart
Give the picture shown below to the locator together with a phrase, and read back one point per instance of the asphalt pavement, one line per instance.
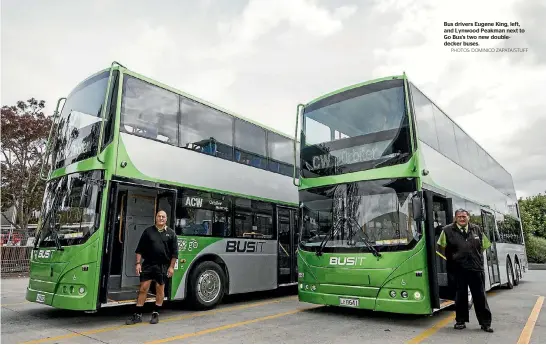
(274, 317)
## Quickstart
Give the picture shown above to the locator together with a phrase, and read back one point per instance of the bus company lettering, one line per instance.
(218, 205)
(194, 202)
(197, 202)
(244, 246)
(346, 156)
(346, 261)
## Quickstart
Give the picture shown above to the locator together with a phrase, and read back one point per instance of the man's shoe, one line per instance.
(487, 329)
(155, 318)
(459, 326)
(135, 318)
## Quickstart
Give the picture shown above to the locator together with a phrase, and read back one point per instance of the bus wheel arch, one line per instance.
(216, 269)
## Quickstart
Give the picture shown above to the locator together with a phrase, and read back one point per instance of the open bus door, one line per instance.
(439, 213)
(132, 210)
(492, 258)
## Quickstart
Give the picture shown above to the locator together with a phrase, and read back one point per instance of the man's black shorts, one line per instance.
(155, 272)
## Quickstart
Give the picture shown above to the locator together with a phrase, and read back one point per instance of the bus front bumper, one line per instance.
(383, 301)
(71, 297)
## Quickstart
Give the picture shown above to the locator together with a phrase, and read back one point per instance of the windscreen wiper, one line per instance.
(41, 235)
(365, 239)
(330, 235)
(57, 240)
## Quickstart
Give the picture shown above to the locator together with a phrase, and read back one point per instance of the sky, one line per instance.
(261, 58)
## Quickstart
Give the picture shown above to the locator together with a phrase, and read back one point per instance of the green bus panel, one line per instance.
(371, 280)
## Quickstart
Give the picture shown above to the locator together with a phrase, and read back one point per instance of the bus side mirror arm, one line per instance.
(300, 106)
(52, 130)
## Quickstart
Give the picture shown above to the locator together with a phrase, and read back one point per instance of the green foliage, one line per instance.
(25, 129)
(533, 215)
(536, 249)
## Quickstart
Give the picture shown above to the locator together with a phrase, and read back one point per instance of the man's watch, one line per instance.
(138, 263)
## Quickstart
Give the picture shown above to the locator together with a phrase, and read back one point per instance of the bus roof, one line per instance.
(197, 99)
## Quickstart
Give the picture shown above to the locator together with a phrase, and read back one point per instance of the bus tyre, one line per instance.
(509, 274)
(207, 284)
(517, 274)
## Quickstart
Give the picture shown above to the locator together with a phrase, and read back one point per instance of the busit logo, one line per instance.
(346, 261)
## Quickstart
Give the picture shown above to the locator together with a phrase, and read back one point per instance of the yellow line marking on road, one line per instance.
(229, 326)
(168, 319)
(10, 304)
(438, 325)
(430, 331)
(527, 331)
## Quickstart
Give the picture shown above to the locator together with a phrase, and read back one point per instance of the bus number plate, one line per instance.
(348, 302)
(40, 298)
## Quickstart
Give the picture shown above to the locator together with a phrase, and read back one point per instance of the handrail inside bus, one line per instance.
(121, 218)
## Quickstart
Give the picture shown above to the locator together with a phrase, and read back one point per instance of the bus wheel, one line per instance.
(517, 274)
(207, 284)
(509, 274)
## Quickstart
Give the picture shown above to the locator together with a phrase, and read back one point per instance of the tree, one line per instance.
(25, 130)
(533, 215)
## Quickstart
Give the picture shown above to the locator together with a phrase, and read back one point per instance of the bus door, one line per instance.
(141, 207)
(287, 244)
(439, 213)
(491, 253)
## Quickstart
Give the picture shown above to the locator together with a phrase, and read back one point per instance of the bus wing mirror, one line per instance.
(296, 159)
(417, 208)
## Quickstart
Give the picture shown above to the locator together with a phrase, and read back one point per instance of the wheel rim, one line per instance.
(208, 286)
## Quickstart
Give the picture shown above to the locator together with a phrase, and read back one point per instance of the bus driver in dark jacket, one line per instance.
(464, 244)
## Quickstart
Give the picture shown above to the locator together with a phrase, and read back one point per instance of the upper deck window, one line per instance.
(78, 126)
(149, 111)
(156, 113)
(358, 129)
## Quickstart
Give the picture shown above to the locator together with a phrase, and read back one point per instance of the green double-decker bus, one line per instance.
(382, 169)
(123, 147)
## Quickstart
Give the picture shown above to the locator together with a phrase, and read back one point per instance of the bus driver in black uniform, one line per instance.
(464, 244)
(158, 248)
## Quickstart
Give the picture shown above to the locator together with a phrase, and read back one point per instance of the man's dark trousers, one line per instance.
(476, 281)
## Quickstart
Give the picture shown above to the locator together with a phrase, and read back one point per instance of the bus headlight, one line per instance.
(392, 293)
(404, 294)
(82, 290)
(417, 295)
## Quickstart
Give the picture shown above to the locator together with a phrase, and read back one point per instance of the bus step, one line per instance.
(125, 295)
(444, 303)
